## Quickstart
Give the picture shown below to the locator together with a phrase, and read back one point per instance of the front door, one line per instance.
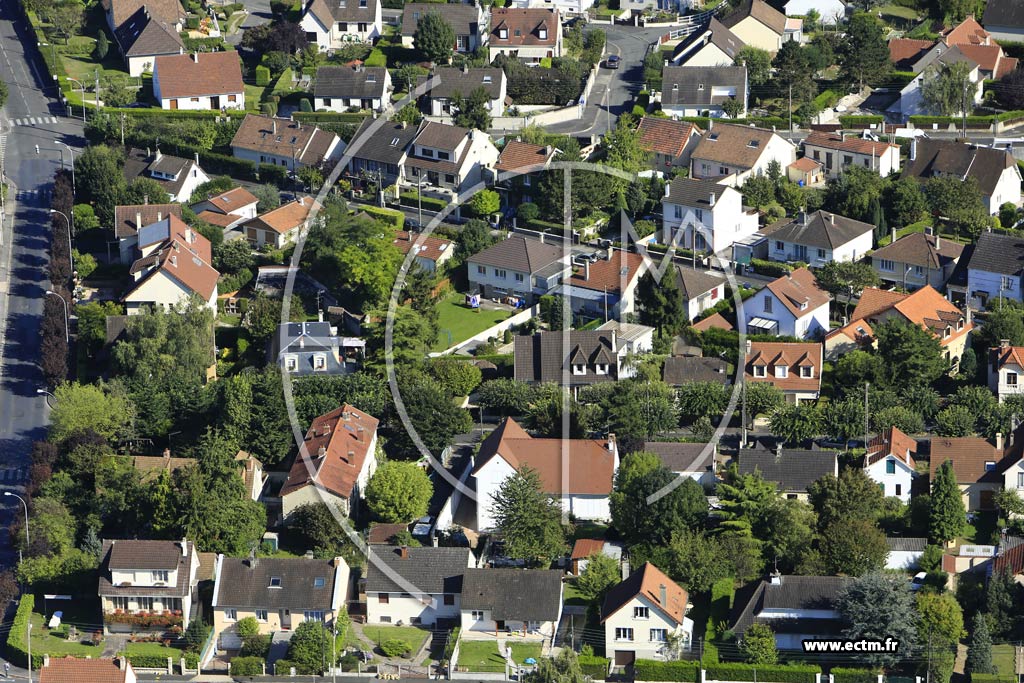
(286, 620)
(174, 104)
(215, 102)
(624, 657)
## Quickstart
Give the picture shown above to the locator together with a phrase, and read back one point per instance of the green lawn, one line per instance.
(413, 636)
(897, 11)
(572, 594)
(482, 655)
(1002, 657)
(457, 322)
(153, 649)
(253, 96)
(48, 642)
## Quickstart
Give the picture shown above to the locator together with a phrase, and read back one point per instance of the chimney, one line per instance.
(663, 595)
(404, 125)
(167, 453)
(668, 189)
(197, 158)
(46, 660)
(749, 346)
(465, 67)
(586, 270)
(336, 562)
(174, 260)
(999, 441)
(1004, 343)
(892, 235)
(801, 218)
(122, 663)
(608, 254)
(273, 126)
(938, 242)
(403, 552)
(321, 452)
(832, 218)
(138, 220)
(775, 578)
(778, 450)
(195, 57)
(184, 547)
(913, 149)
(159, 155)
(610, 445)
(711, 199)
(147, 153)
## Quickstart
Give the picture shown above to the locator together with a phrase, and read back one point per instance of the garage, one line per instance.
(624, 657)
(229, 640)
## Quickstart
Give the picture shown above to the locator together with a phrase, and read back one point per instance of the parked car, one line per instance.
(919, 580)
(612, 62)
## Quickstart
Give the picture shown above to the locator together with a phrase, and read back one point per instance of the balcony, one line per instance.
(144, 619)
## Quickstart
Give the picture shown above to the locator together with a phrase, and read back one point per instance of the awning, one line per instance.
(764, 324)
(580, 293)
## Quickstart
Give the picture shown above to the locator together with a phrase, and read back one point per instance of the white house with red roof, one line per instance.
(606, 287)
(838, 151)
(227, 209)
(669, 142)
(1006, 370)
(172, 265)
(338, 456)
(580, 478)
(793, 305)
(793, 367)
(431, 252)
(527, 34)
(200, 80)
(643, 614)
(889, 461)
(705, 215)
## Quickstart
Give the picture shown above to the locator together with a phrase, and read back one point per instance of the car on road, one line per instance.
(612, 62)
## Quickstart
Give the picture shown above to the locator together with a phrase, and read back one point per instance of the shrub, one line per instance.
(191, 660)
(247, 627)
(17, 646)
(846, 675)
(305, 105)
(247, 666)
(595, 667)
(192, 23)
(770, 268)
(282, 666)
(262, 76)
(782, 673)
(652, 670)
(390, 216)
(412, 200)
(148, 661)
(859, 121)
(395, 647)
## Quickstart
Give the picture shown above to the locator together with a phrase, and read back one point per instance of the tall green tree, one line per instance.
(947, 89)
(529, 520)
(876, 607)
(864, 55)
(846, 278)
(958, 202)
(398, 492)
(851, 495)
(794, 73)
(913, 356)
(947, 515)
(641, 409)
(641, 476)
(99, 180)
(1002, 599)
(601, 573)
(758, 63)
(80, 407)
(434, 37)
(472, 110)
(853, 547)
(758, 645)
(746, 502)
(697, 560)
(979, 646)
(661, 303)
(796, 423)
(940, 625)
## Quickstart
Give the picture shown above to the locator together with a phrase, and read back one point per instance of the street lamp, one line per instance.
(24, 505)
(71, 258)
(67, 323)
(73, 189)
(44, 392)
(419, 202)
(82, 86)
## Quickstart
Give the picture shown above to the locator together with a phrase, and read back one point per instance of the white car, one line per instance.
(918, 582)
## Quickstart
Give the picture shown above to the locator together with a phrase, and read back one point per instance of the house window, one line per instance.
(313, 615)
(499, 273)
(232, 98)
(806, 371)
(460, 42)
(385, 620)
(699, 213)
(444, 155)
(579, 369)
(1020, 480)
(449, 599)
(481, 270)
(362, 27)
(543, 34)
(519, 277)
(145, 604)
(477, 615)
(847, 159)
(275, 581)
(193, 99)
(319, 362)
(120, 602)
(342, 25)
(899, 489)
(723, 170)
(677, 211)
(886, 265)
(383, 598)
(601, 369)
(161, 575)
(780, 246)
(533, 626)
(641, 613)
(449, 178)
(767, 304)
(1007, 283)
(801, 251)
(1011, 379)
(760, 371)
(821, 253)
(890, 466)
(261, 616)
(624, 634)
(659, 635)
(781, 371)
(503, 33)
(230, 615)
(990, 465)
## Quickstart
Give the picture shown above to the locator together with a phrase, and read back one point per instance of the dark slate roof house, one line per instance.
(314, 348)
(987, 165)
(362, 82)
(702, 87)
(514, 594)
(590, 357)
(811, 599)
(449, 81)
(428, 569)
(684, 458)
(170, 172)
(792, 470)
(294, 583)
(680, 370)
(519, 254)
(821, 229)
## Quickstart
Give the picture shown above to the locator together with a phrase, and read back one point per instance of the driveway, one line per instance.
(259, 13)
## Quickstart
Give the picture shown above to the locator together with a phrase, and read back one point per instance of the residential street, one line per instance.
(23, 242)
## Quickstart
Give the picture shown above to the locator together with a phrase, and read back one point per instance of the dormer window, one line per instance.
(371, 78)
(161, 576)
(760, 371)
(946, 332)
(602, 369)
(318, 582)
(275, 581)
(543, 33)
(700, 86)
(503, 33)
(518, 33)
(362, 3)
(807, 372)
(291, 363)
(781, 372)
(803, 305)
(579, 369)
(990, 465)
(487, 79)
(319, 362)
(960, 324)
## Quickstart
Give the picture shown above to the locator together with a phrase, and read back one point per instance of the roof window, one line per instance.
(275, 581)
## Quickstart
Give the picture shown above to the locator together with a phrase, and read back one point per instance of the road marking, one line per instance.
(33, 120)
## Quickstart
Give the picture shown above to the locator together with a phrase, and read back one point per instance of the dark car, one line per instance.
(613, 61)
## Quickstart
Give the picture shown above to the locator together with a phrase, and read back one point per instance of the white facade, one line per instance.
(408, 609)
(641, 627)
(163, 290)
(831, 11)
(312, 493)
(227, 100)
(835, 161)
(477, 622)
(342, 104)
(698, 304)
(766, 305)
(1007, 189)
(328, 34)
(1006, 380)
(1013, 477)
(708, 54)
(778, 149)
(715, 228)
(994, 285)
(893, 475)
(903, 560)
(816, 257)
(419, 164)
(911, 101)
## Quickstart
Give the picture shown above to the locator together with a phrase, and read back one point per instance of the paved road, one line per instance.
(29, 118)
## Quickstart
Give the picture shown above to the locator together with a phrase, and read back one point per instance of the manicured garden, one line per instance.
(483, 655)
(457, 322)
(411, 636)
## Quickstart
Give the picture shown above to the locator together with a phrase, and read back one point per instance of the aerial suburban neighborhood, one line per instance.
(554, 341)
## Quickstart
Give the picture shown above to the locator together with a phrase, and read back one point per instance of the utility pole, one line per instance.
(97, 90)
(866, 421)
(743, 392)
(790, 135)
(122, 129)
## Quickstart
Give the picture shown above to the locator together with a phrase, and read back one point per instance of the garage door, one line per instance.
(229, 640)
(624, 657)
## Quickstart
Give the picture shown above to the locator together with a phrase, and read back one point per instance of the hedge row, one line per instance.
(1010, 116)
(282, 666)
(332, 116)
(17, 646)
(972, 121)
(780, 673)
(212, 162)
(901, 78)
(677, 672)
(859, 121)
(825, 100)
(247, 666)
(390, 216)
(148, 661)
(545, 226)
(847, 675)
(770, 268)
(595, 667)
(414, 200)
(993, 678)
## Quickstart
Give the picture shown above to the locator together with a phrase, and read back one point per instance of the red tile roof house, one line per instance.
(201, 80)
(333, 23)
(581, 479)
(131, 218)
(839, 151)
(338, 457)
(431, 252)
(889, 461)
(72, 670)
(979, 466)
(670, 142)
(1006, 370)
(528, 34)
(227, 209)
(282, 225)
(283, 142)
(605, 288)
(522, 163)
(170, 271)
(641, 612)
(793, 367)
(794, 305)
(144, 30)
